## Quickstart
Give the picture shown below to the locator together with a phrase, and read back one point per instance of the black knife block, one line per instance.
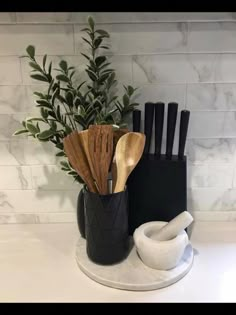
(157, 190)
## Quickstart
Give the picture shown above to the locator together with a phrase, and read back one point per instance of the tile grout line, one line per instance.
(74, 46)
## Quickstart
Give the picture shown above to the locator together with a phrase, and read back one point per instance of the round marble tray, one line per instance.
(132, 273)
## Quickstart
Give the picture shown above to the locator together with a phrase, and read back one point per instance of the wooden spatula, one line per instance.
(75, 152)
(100, 139)
(129, 150)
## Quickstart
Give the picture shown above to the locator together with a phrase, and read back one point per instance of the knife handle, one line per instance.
(136, 120)
(184, 120)
(171, 123)
(148, 122)
(159, 119)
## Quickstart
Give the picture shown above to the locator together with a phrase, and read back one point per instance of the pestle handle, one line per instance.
(174, 227)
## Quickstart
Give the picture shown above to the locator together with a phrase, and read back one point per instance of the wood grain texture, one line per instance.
(75, 152)
(117, 134)
(101, 151)
(129, 150)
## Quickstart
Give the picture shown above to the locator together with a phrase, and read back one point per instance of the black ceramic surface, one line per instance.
(184, 121)
(106, 226)
(157, 190)
(80, 213)
(171, 123)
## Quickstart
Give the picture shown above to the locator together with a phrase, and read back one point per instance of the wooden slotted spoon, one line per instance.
(100, 151)
(76, 153)
(129, 150)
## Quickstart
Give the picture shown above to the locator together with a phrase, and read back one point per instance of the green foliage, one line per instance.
(67, 105)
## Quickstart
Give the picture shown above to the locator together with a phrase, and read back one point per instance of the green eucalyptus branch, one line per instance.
(66, 106)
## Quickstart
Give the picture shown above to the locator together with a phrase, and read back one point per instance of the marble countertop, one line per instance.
(37, 264)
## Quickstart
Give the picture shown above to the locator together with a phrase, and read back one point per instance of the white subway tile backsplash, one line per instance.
(6, 158)
(14, 99)
(34, 201)
(223, 125)
(31, 218)
(185, 68)
(212, 96)
(162, 93)
(15, 177)
(167, 63)
(212, 37)
(9, 124)
(10, 70)
(31, 152)
(206, 37)
(161, 69)
(205, 151)
(211, 199)
(7, 17)
(47, 39)
(43, 17)
(120, 17)
(210, 175)
(51, 177)
(226, 68)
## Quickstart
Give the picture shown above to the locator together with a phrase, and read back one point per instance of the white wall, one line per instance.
(185, 57)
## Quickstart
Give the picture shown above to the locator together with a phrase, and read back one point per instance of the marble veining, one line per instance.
(50, 177)
(118, 17)
(222, 150)
(50, 39)
(169, 56)
(211, 199)
(133, 39)
(131, 273)
(207, 97)
(26, 201)
(28, 152)
(9, 124)
(32, 218)
(211, 175)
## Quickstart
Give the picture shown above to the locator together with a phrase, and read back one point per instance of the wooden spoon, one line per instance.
(129, 150)
(117, 134)
(100, 143)
(75, 152)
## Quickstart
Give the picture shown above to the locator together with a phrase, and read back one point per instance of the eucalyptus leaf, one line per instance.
(31, 128)
(39, 77)
(31, 51)
(65, 165)
(99, 60)
(35, 66)
(125, 100)
(44, 61)
(19, 132)
(61, 153)
(46, 134)
(63, 64)
(63, 78)
(103, 33)
(91, 22)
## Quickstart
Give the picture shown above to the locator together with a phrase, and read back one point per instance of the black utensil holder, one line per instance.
(106, 226)
(157, 190)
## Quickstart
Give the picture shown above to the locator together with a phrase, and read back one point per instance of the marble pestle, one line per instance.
(174, 227)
